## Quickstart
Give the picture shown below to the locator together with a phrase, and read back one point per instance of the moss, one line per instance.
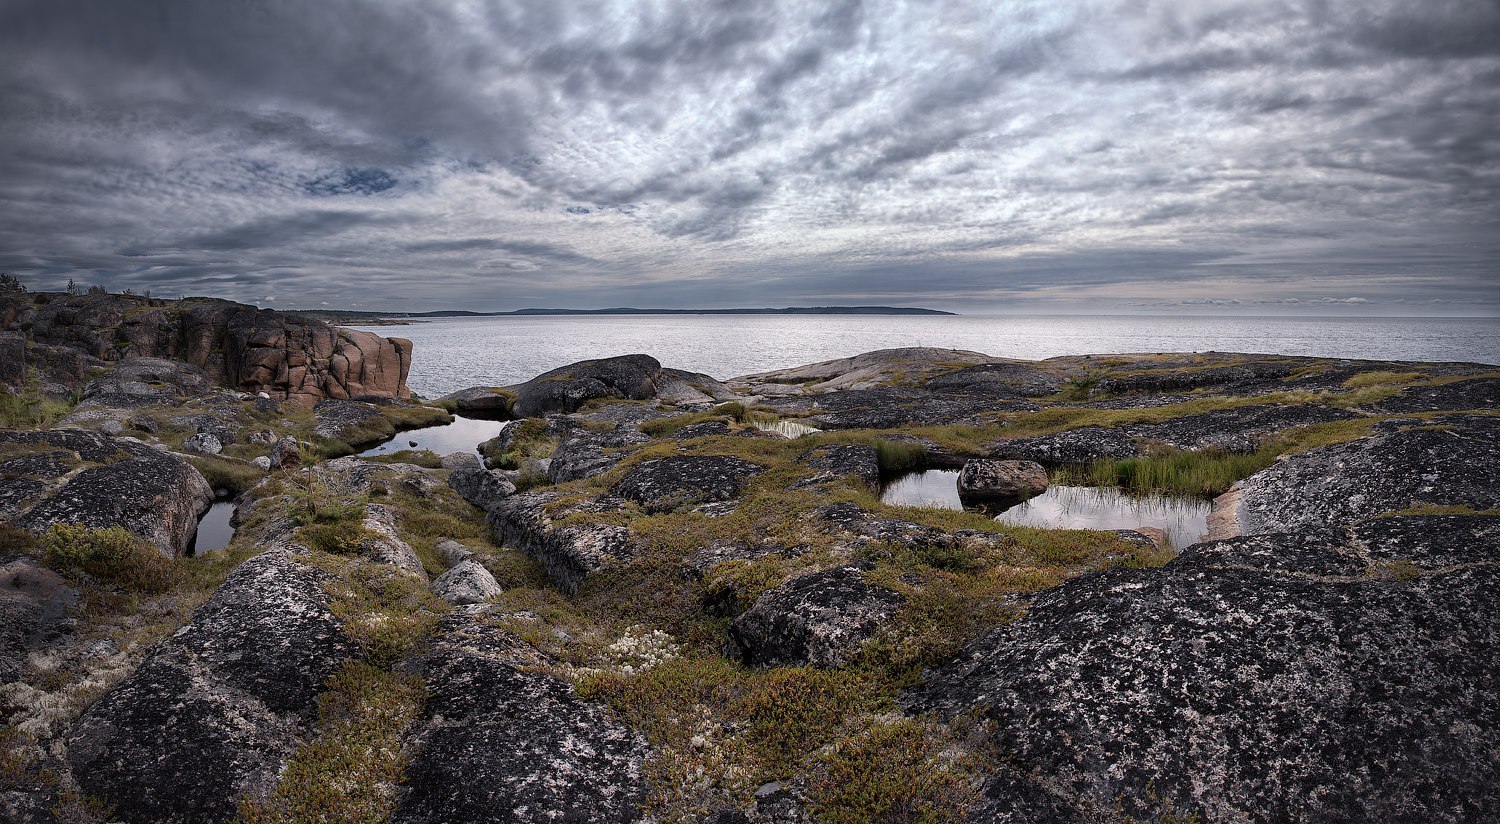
(891, 771)
(424, 458)
(110, 555)
(414, 417)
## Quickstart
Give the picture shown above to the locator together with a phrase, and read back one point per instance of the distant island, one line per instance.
(341, 315)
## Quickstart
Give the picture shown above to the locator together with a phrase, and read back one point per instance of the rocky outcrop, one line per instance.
(288, 356)
(664, 484)
(864, 371)
(488, 402)
(821, 619)
(355, 423)
(69, 476)
(467, 582)
(840, 461)
(1249, 376)
(1455, 464)
(867, 528)
(383, 544)
(991, 479)
(632, 377)
(214, 712)
(12, 360)
(692, 389)
(36, 607)
(1478, 393)
(893, 406)
(484, 488)
(569, 552)
(1075, 446)
(1315, 676)
(1235, 430)
(502, 742)
(1023, 379)
(143, 381)
(585, 452)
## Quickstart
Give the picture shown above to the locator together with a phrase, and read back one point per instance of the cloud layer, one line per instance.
(1103, 153)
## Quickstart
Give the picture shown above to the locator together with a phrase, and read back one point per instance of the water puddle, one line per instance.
(1184, 519)
(787, 429)
(214, 530)
(463, 435)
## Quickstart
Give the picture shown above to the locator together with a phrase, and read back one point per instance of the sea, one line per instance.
(453, 353)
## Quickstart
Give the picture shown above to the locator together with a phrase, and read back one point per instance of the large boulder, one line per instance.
(65, 476)
(821, 619)
(233, 689)
(484, 488)
(504, 742)
(467, 582)
(142, 381)
(1316, 676)
(991, 479)
(664, 484)
(488, 402)
(570, 552)
(633, 377)
(865, 371)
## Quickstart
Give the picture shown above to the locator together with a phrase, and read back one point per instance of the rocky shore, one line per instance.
(666, 597)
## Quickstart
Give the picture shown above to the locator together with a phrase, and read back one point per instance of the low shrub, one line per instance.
(222, 473)
(111, 555)
(890, 772)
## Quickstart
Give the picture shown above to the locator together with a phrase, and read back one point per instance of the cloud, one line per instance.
(967, 155)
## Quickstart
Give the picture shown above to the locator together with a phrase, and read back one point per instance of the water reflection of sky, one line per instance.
(1185, 520)
(463, 435)
(214, 530)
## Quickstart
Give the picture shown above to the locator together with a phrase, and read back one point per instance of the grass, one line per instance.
(416, 417)
(900, 770)
(110, 555)
(899, 456)
(424, 458)
(223, 473)
(28, 408)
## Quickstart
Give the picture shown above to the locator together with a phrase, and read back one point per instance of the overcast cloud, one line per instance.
(1106, 154)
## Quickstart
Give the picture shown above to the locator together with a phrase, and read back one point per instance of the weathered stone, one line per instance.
(263, 463)
(866, 371)
(819, 619)
(384, 544)
(234, 689)
(850, 518)
(502, 742)
(840, 461)
(467, 582)
(484, 488)
(1168, 377)
(12, 360)
(1023, 379)
(355, 423)
(664, 484)
(570, 553)
(691, 389)
(583, 452)
(488, 402)
(989, 478)
(286, 454)
(111, 428)
(706, 429)
(453, 552)
(889, 407)
(142, 381)
(34, 613)
(1478, 393)
(1235, 430)
(1280, 677)
(565, 389)
(203, 443)
(1075, 446)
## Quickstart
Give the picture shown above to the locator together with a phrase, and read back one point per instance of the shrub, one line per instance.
(889, 772)
(111, 555)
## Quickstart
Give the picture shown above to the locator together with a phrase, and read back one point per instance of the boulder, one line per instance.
(1457, 465)
(833, 462)
(820, 619)
(453, 552)
(467, 582)
(143, 381)
(867, 370)
(691, 389)
(488, 402)
(1283, 677)
(285, 453)
(565, 389)
(234, 688)
(894, 406)
(97, 481)
(355, 423)
(585, 452)
(664, 484)
(484, 488)
(1022, 379)
(988, 478)
(202, 443)
(570, 552)
(505, 742)
(384, 545)
(36, 607)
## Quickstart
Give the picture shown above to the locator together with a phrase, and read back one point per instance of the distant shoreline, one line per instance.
(374, 318)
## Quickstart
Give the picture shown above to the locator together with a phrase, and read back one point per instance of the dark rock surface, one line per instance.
(12, 360)
(889, 407)
(216, 709)
(706, 429)
(35, 607)
(1024, 380)
(664, 484)
(142, 381)
(584, 452)
(1075, 446)
(850, 518)
(840, 461)
(484, 488)
(990, 478)
(691, 388)
(1283, 677)
(1478, 393)
(820, 619)
(564, 389)
(570, 552)
(104, 482)
(504, 743)
(1457, 464)
(1250, 376)
(1235, 430)
(487, 402)
(354, 422)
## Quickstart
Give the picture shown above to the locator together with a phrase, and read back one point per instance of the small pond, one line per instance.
(788, 429)
(1184, 519)
(214, 530)
(463, 435)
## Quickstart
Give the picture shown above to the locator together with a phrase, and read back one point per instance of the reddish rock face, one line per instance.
(289, 357)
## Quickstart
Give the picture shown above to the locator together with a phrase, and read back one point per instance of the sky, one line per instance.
(1258, 157)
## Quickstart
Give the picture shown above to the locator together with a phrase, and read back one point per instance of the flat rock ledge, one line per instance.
(664, 484)
(504, 743)
(215, 711)
(1331, 675)
(571, 552)
(821, 619)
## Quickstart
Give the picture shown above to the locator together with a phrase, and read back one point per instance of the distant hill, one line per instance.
(351, 316)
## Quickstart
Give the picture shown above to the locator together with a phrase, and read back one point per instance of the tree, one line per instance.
(72, 287)
(11, 283)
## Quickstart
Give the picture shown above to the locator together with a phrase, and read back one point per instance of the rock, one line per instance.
(286, 454)
(565, 389)
(850, 518)
(664, 484)
(889, 407)
(384, 544)
(706, 429)
(234, 688)
(1170, 377)
(484, 488)
(819, 619)
(488, 402)
(866, 371)
(1279, 677)
(460, 460)
(202, 443)
(99, 482)
(1234, 430)
(1458, 465)
(143, 381)
(861, 461)
(111, 428)
(355, 423)
(467, 582)
(571, 552)
(1478, 393)
(691, 388)
(35, 612)
(12, 360)
(583, 452)
(262, 463)
(1023, 379)
(502, 742)
(1083, 445)
(453, 552)
(988, 478)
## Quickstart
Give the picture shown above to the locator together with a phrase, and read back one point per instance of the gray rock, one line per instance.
(460, 460)
(1235, 430)
(202, 443)
(896, 406)
(35, 607)
(454, 553)
(1251, 376)
(571, 552)
(631, 377)
(820, 619)
(1458, 464)
(12, 360)
(862, 461)
(851, 519)
(354, 422)
(583, 452)
(1022, 379)
(481, 402)
(1478, 393)
(706, 429)
(235, 688)
(262, 463)
(467, 582)
(664, 484)
(1075, 446)
(111, 428)
(286, 454)
(990, 478)
(1282, 677)
(484, 488)
(502, 742)
(384, 544)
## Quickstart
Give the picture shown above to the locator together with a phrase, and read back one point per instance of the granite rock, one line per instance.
(821, 619)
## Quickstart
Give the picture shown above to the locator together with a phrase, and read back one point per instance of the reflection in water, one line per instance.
(1185, 520)
(463, 435)
(789, 429)
(214, 530)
